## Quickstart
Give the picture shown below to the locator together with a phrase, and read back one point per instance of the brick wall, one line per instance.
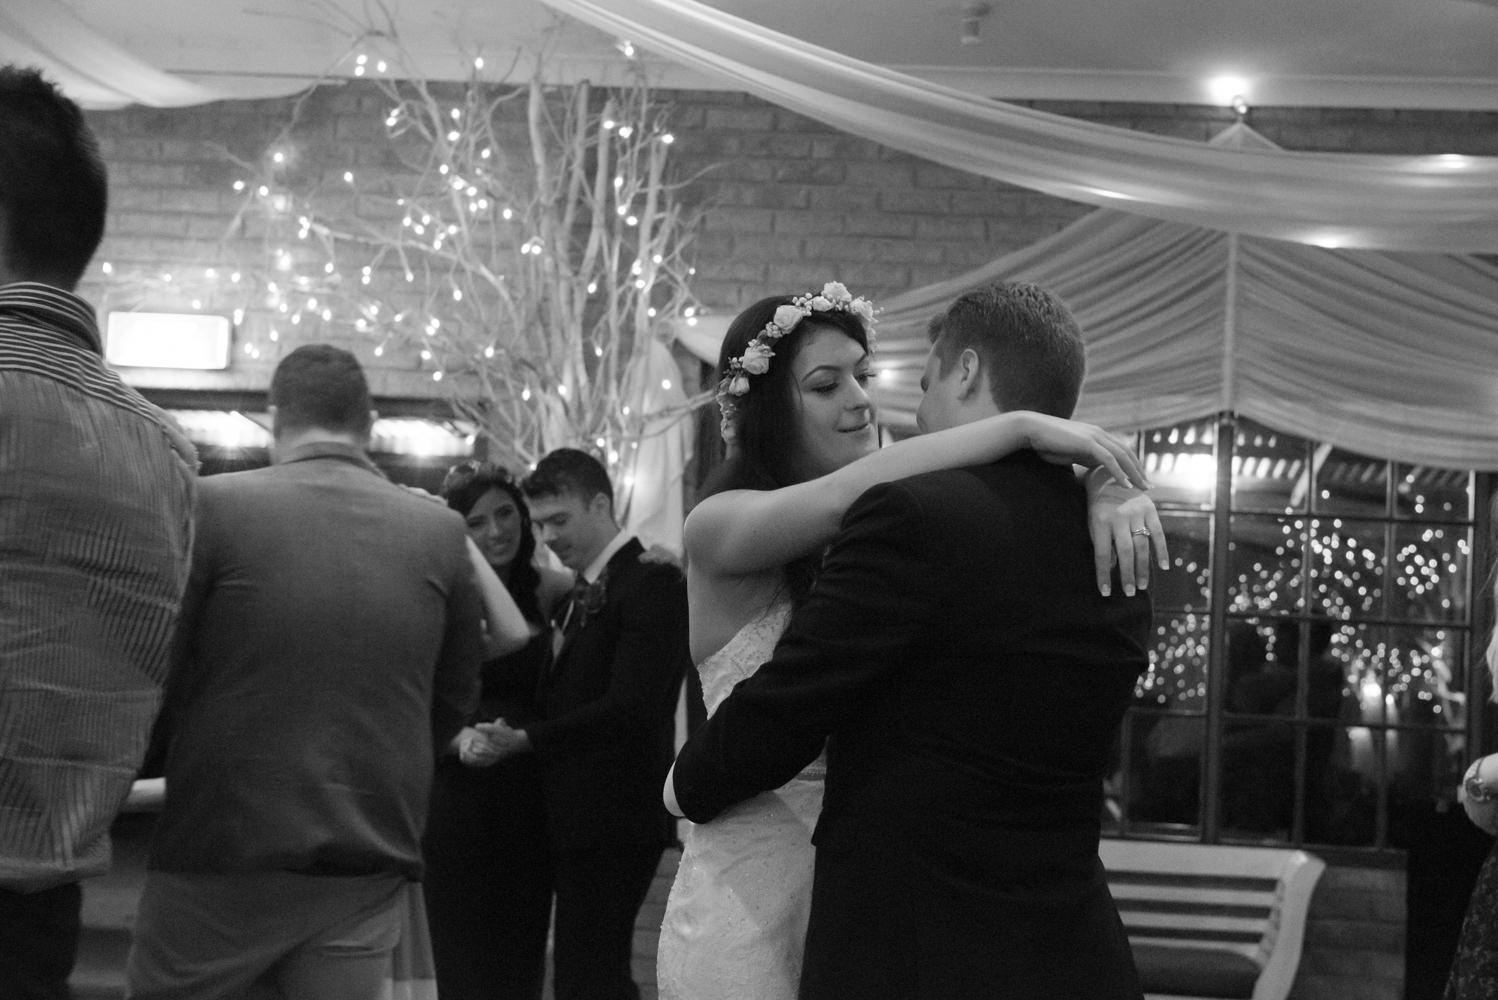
(788, 204)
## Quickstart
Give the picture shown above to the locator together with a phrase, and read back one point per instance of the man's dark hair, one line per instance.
(569, 471)
(318, 385)
(53, 187)
(1026, 339)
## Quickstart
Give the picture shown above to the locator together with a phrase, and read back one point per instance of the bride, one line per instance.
(801, 447)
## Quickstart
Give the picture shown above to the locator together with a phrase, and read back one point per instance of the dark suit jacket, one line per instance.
(329, 638)
(608, 710)
(971, 680)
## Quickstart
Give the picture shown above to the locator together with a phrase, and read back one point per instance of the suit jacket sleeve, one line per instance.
(645, 669)
(455, 684)
(876, 592)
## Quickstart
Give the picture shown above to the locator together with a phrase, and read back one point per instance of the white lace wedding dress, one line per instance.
(736, 918)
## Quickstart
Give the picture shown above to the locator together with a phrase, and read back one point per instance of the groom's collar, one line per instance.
(595, 568)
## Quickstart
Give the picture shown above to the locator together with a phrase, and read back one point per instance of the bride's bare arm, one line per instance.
(747, 531)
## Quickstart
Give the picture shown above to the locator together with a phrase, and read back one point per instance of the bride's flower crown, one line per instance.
(834, 297)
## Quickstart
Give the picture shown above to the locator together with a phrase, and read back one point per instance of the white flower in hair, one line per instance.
(786, 318)
(755, 360)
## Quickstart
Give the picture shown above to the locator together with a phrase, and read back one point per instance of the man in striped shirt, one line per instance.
(96, 499)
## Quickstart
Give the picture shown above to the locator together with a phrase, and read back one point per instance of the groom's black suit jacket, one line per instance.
(969, 680)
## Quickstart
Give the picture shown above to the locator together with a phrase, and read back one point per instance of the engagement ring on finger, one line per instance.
(1140, 531)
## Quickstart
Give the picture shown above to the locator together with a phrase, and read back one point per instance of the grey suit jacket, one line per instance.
(330, 638)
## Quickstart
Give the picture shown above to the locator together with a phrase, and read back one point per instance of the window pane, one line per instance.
(1347, 639)
(1165, 783)
(1271, 471)
(1341, 786)
(1180, 464)
(1258, 684)
(1349, 483)
(1431, 567)
(1258, 779)
(1187, 585)
(1424, 765)
(1434, 494)
(1177, 674)
(1411, 672)
(1347, 567)
(1264, 571)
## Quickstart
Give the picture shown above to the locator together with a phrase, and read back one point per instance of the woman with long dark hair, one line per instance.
(488, 884)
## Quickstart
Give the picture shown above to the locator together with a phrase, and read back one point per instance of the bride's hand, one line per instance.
(1067, 442)
(1125, 527)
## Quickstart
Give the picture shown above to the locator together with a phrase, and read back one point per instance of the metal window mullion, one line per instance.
(1482, 721)
(1211, 764)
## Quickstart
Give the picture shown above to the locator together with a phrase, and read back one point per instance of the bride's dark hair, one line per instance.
(766, 453)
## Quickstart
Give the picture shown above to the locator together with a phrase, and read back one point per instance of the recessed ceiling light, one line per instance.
(1229, 90)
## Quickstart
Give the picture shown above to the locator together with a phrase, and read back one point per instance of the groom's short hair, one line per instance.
(569, 472)
(1026, 339)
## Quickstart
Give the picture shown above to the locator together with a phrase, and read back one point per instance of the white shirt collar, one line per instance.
(595, 568)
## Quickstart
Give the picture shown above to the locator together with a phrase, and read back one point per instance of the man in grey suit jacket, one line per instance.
(329, 642)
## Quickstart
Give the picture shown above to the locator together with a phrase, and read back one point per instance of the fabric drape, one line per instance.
(1389, 354)
(1433, 203)
(97, 73)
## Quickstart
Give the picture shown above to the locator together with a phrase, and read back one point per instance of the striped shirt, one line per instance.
(96, 498)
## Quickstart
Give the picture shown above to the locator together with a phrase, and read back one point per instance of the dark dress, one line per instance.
(488, 877)
(1474, 970)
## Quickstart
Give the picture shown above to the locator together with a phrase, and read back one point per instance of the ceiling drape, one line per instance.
(1432, 203)
(97, 73)
(1386, 353)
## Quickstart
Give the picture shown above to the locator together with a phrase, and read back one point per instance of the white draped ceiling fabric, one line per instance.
(99, 74)
(1446, 204)
(1209, 281)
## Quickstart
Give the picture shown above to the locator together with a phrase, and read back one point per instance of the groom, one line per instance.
(969, 680)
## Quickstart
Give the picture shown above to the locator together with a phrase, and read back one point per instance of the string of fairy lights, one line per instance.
(521, 243)
(1399, 672)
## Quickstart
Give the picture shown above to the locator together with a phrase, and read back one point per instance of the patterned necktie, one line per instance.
(577, 603)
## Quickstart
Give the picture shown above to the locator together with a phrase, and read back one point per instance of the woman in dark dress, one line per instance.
(488, 881)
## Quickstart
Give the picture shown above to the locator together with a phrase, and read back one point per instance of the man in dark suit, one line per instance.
(329, 643)
(968, 679)
(606, 733)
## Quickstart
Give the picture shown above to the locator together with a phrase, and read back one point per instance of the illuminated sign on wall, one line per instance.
(197, 341)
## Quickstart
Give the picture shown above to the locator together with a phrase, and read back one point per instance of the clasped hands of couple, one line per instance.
(487, 743)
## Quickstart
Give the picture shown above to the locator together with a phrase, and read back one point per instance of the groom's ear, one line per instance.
(969, 373)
